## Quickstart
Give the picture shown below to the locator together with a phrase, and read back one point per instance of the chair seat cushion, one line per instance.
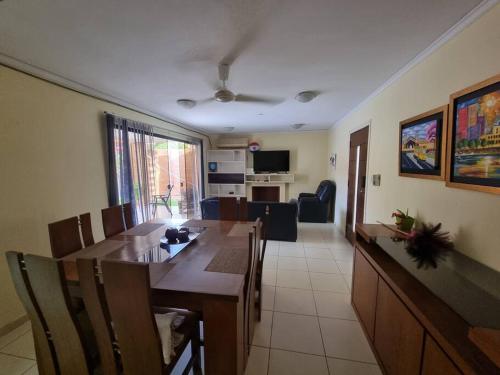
(170, 338)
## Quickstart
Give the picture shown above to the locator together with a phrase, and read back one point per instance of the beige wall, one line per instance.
(52, 166)
(472, 217)
(307, 156)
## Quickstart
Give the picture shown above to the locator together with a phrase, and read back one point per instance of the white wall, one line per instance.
(472, 217)
(52, 166)
(308, 150)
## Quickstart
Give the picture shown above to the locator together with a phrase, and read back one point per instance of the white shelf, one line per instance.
(270, 178)
(228, 161)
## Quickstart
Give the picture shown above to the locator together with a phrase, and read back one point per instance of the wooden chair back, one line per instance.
(128, 215)
(97, 309)
(243, 209)
(253, 256)
(134, 323)
(86, 228)
(44, 348)
(228, 208)
(47, 280)
(64, 237)
(112, 221)
(260, 262)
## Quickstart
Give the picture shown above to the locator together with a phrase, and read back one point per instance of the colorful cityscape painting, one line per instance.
(420, 146)
(476, 136)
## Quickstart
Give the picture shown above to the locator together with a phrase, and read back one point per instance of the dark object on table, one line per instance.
(183, 235)
(427, 246)
(315, 208)
(171, 235)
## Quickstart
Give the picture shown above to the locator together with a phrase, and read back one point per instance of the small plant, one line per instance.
(404, 221)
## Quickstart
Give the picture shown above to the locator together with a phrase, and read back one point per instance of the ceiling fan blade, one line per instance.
(258, 99)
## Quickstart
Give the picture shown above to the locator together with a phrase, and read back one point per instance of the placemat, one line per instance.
(98, 250)
(240, 230)
(229, 261)
(142, 229)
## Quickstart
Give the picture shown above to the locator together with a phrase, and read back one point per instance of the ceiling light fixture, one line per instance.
(305, 96)
(229, 128)
(297, 126)
(186, 103)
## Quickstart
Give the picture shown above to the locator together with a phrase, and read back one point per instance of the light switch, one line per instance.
(376, 180)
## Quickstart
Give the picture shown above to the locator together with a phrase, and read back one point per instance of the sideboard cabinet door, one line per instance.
(399, 337)
(435, 360)
(364, 292)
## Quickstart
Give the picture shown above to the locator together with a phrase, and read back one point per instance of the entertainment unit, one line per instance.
(226, 173)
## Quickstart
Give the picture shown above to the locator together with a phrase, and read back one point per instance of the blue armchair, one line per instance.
(314, 208)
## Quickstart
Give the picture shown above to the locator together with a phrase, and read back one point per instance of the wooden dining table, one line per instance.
(207, 276)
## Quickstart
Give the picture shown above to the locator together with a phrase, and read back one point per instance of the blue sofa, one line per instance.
(314, 208)
(282, 216)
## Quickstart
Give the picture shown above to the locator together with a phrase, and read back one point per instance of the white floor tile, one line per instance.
(342, 367)
(297, 333)
(345, 266)
(296, 301)
(32, 371)
(334, 305)
(348, 280)
(23, 346)
(345, 339)
(292, 263)
(14, 334)
(10, 365)
(289, 363)
(272, 251)
(343, 254)
(291, 245)
(328, 282)
(322, 265)
(291, 252)
(262, 333)
(268, 297)
(293, 279)
(318, 253)
(270, 261)
(269, 276)
(257, 361)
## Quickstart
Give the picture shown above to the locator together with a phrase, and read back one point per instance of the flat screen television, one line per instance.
(271, 161)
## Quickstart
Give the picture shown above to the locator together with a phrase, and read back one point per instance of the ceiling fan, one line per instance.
(224, 95)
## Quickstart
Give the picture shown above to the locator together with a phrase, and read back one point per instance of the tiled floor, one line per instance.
(308, 325)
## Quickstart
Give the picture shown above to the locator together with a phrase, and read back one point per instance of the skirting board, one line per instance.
(13, 325)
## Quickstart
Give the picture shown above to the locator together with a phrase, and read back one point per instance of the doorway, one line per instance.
(356, 185)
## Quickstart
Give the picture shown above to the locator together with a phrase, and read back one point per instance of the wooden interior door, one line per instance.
(358, 152)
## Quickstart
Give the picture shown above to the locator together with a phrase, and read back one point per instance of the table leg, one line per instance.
(224, 343)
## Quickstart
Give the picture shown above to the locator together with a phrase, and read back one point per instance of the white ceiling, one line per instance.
(150, 53)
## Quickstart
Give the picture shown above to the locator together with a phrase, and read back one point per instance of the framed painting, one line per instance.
(473, 156)
(422, 145)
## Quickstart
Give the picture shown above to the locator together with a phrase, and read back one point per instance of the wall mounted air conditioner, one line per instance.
(232, 142)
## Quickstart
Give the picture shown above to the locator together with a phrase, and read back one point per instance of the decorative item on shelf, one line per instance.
(333, 160)
(253, 147)
(404, 221)
(473, 160)
(428, 245)
(212, 166)
(183, 235)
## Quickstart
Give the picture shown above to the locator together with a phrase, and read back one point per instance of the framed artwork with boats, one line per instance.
(422, 144)
(473, 155)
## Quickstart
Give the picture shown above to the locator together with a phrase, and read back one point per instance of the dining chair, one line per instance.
(72, 346)
(113, 221)
(260, 264)
(65, 237)
(97, 309)
(86, 228)
(44, 347)
(128, 215)
(228, 208)
(141, 334)
(250, 279)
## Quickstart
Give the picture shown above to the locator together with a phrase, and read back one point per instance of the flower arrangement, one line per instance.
(404, 221)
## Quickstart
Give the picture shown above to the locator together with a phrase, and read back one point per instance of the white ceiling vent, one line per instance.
(232, 142)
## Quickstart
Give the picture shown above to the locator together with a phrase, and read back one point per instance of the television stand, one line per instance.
(277, 180)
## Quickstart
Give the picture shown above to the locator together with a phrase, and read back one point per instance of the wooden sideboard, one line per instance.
(411, 330)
